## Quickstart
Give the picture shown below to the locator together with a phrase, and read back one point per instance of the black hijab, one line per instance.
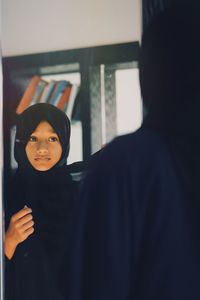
(27, 123)
(51, 194)
(169, 79)
(169, 70)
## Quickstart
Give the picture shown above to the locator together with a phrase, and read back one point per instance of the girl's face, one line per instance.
(43, 149)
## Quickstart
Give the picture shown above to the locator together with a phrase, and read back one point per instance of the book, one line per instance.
(58, 90)
(71, 101)
(28, 94)
(38, 91)
(46, 94)
(64, 97)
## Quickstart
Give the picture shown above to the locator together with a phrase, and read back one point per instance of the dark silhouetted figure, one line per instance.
(137, 231)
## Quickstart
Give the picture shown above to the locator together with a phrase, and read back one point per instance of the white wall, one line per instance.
(31, 26)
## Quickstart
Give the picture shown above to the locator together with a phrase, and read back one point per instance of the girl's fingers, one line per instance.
(28, 225)
(29, 231)
(20, 214)
(21, 222)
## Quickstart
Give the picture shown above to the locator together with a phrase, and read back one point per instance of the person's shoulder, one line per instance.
(141, 144)
(142, 154)
(140, 137)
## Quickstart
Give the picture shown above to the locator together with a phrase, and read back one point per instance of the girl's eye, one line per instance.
(32, 138)
(53, 139)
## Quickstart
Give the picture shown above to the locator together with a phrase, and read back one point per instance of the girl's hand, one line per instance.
(20, 227)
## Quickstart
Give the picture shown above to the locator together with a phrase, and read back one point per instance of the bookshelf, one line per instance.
(87, 63)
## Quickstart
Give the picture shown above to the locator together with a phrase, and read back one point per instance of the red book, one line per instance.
(28, 94)
(62, 103)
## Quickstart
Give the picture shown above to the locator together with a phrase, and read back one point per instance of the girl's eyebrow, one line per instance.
(50, 131)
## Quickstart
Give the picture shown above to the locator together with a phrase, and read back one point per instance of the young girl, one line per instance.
(39, 207)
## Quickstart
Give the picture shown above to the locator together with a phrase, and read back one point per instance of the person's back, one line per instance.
(137, 230)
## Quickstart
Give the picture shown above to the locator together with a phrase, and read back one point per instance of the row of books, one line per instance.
(60, 93)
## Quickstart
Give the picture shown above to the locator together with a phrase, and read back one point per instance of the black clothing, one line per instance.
(36, 270)
(137, 230)
(37, 264)
(134, 231)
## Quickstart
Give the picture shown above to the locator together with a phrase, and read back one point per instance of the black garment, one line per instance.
(36, 270)
(137, 230)
(134, 235)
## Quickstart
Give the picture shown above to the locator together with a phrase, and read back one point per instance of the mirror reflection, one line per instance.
(42, 156)
(39, 205)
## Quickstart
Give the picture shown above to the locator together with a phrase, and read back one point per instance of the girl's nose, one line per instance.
(42, 148)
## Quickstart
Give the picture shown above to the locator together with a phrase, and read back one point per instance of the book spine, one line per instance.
(63, 101)
(46, 94)
(28, 94)
(71, 101)
(38, 92)
(58, 90)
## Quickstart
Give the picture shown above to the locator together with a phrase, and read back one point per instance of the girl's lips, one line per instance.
(42, 158)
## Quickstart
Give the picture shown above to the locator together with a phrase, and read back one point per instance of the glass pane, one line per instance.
(128, 101)
(116, 106)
